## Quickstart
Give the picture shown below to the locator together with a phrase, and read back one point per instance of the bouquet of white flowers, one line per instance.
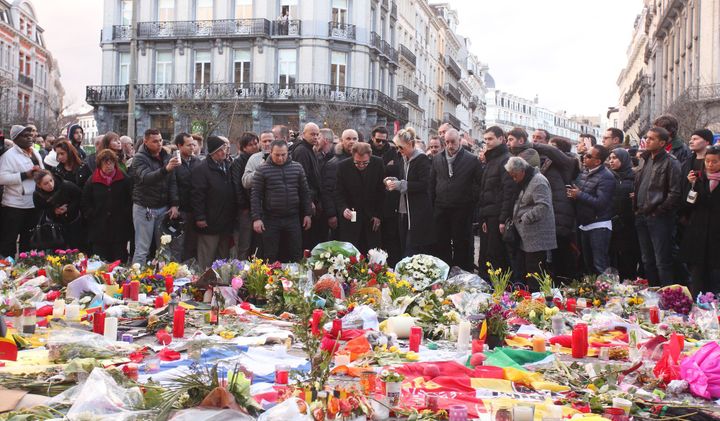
(333, 256)
(422, 271)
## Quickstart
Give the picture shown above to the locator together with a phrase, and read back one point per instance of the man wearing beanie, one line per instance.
(154, 192)
(17, 167)
(213, 203)
(699, 142)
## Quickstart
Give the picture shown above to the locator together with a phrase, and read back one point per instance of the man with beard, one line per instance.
(390, 231)
(17, 168)
(359, 196)
(303, 152)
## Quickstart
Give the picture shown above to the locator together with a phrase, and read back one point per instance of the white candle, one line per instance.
(523, 413)
(58, 308)
(72, 312)
(463, 342)
(111, 325)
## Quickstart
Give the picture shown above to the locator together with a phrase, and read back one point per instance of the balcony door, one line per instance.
(203, 67)
(203, 9)
(166, 10)
(287, 70)
(339, 12)
(243, 9)
(241, 68)
(338, 72)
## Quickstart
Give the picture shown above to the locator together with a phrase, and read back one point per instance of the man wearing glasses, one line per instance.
(390, 231)
(359, 193)
(594, 214)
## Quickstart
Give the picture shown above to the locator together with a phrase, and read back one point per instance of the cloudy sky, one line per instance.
(568, 52)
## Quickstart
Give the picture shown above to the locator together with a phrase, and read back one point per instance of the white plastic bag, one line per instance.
(285, 411)
(100, 397)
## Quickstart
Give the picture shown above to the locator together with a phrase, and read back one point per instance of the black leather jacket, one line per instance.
(663, 191)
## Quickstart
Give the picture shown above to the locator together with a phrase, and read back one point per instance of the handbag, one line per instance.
(511, 234)
(46, 235)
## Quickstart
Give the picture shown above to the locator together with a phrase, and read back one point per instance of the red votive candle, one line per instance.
(169, 284)
(159, 302)
(126, 290)
(654, 315)
(571, 305)
(99, 323)
(478, 345)
(282, 374)
(415, 338)
(179, 323)
(134, 291)
(579, 341)
(315, 322)
(336, 328)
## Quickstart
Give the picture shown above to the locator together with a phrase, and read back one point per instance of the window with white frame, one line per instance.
(338, 70)
(339, 11)
(202, 67)
(164, 67)
(166, 10)
(241, 66)
(287, 67)
(243, 9)
(126, 12)
(203, 9)
(123, 68)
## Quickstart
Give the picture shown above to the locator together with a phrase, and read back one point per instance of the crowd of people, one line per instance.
(535, 203)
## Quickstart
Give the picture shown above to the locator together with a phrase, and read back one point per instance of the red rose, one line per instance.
(306, 253)
(41, 272)
(353, 260)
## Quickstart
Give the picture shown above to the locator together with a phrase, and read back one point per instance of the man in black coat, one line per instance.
(359, 194)
(303, 153)
(497, 193)
(454, 181)
(243, 228)
(213, 199)
(185, 247)
(389, 228)
(342, 151)
(279, 199)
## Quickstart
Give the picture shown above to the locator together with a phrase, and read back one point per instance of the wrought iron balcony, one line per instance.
(288, 28)
(341, 30)
(453, 67)
(376, 41)
(300, 93)
(241, 28)
(408, 55)
(121, 33)
(407, 94)
(452, 93)
(389, 51)
(702, 93)
(450, 118)
(26, 80)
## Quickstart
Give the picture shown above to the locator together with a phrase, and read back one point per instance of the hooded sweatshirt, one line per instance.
(71, 133)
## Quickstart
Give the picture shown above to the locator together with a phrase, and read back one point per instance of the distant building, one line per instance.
(30, 88)
(89, 126)
(507, 111)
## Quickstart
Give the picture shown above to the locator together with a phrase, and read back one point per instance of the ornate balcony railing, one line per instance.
(341, 30)
(376, 41)
(250, 92)
(452, 93)
(288, 28)
(709, 92)
(26, 80)
(453, 67)
(122, 32)
(408, 55)
(204, 29)
(407, 94)
(450, 118)
(389, 51)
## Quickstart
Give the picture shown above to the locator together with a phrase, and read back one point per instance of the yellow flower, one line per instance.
(412, 356)
(596, 302)
(393, 349)
(488, 264)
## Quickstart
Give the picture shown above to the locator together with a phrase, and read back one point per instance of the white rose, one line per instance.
(165, 239)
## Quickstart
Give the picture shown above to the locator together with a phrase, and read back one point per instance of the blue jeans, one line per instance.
(596, 249)
(147, 226)
(655, 235)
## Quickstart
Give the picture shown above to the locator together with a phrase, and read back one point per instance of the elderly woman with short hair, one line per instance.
(533, 218)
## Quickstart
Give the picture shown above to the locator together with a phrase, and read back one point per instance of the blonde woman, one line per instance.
(415, 209)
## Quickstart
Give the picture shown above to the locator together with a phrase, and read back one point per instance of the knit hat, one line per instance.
(15, 130)
(704, 133)
(213, 144)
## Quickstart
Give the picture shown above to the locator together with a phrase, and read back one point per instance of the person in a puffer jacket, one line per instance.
(280, 200)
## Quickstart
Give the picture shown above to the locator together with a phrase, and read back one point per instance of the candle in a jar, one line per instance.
(579, 341)
(179, 323)
(99, 322)
(72, 312)
(315, 322)
(58, 308)
(538, 343)
(169, 284)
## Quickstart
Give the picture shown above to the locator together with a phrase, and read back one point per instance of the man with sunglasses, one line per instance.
(390, 231)
(594, 215)
(359, 194)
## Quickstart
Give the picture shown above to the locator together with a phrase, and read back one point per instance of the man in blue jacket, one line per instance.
(594, 210)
